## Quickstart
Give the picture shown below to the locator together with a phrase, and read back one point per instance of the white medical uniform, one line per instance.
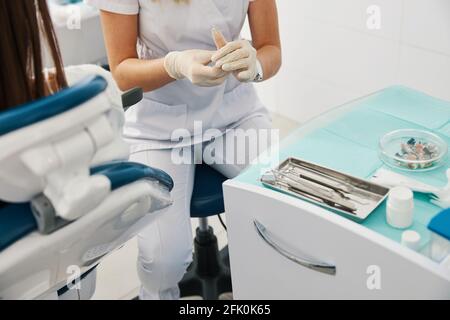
(166, 245)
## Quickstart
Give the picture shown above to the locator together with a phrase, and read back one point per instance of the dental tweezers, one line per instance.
(303, 186)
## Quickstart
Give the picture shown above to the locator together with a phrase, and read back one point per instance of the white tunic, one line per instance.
(166, 26)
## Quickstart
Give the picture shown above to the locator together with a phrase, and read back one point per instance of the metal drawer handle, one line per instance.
(317, 266)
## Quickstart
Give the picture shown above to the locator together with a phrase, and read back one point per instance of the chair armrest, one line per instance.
(123, 173)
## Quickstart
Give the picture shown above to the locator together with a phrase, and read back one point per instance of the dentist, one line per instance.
(190, 77)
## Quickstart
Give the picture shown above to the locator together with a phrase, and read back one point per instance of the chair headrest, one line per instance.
(44, 108)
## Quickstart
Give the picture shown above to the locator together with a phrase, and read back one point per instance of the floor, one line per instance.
(117, 277)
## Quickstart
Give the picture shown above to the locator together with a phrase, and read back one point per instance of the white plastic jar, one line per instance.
(400, 208)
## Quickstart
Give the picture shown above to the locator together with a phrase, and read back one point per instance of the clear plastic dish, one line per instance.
(413, 150)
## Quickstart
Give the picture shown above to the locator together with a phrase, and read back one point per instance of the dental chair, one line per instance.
(64, 206)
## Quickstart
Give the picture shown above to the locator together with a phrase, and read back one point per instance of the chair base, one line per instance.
(209, 274)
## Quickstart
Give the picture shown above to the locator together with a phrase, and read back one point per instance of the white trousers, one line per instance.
(165, 246)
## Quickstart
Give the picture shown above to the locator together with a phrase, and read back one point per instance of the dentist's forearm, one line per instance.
(270, 58)
(146, 74)
(263, 20)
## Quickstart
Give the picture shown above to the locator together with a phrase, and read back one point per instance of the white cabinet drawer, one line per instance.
(368, 266)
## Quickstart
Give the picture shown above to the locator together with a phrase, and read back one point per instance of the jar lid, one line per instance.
(401, 198)
(411, 239)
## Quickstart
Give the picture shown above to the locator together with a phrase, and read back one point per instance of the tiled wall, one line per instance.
(331, 56)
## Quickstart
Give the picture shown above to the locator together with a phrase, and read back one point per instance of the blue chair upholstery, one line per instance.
(17, 220)
(44, 108)
(122, 173)
(207, 197)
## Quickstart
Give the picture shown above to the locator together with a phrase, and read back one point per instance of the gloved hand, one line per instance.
(193, 65)
(238, 57)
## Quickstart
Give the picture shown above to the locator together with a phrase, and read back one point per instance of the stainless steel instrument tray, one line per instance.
(344, 194)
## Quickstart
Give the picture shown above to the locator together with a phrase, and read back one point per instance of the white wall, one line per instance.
(331, 56)
(81, 43)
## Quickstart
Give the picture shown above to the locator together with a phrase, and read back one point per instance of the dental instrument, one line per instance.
(327, 194)
(344, 194)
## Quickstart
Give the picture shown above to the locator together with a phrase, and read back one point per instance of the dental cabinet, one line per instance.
(282, 247)
(79, 32)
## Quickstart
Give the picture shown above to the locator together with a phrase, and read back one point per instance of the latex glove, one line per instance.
(238, 57)
(193, 65)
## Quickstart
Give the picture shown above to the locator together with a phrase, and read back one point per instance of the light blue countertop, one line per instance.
(346, 139)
